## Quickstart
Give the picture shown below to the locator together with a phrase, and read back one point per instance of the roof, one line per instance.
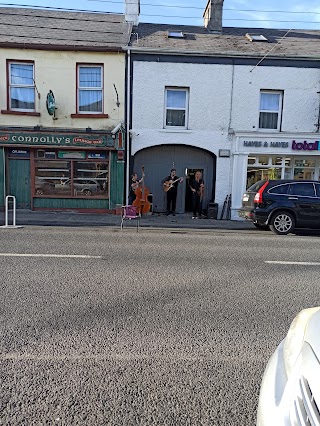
(60, 30)
(232, 41)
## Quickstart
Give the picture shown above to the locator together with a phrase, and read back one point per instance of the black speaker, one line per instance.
(213, 210)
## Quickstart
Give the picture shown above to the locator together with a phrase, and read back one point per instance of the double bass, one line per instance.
(142, 192)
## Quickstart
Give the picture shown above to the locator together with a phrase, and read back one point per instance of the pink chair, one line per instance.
(130, 213)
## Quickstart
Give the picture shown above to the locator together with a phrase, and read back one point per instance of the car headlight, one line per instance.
(295, 338)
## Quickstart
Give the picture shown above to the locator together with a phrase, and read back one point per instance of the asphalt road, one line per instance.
(160, 327)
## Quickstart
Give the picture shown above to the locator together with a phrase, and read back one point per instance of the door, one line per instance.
(159, 160)
(19, 182)
(302, 195)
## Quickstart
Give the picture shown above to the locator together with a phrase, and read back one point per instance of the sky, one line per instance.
(288, 14)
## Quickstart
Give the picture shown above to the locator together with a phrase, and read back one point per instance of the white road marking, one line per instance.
(282, 262)
(72, 256)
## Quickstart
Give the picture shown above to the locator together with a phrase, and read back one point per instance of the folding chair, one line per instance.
(130, 213)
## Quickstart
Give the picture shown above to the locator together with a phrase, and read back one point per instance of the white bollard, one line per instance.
(13, 198)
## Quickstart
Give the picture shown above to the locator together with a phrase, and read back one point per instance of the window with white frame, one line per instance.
(176, 107)
(90, 89)
(21, 86)
(270, 110)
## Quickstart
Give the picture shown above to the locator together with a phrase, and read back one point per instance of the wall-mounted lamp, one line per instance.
(88, 130)
(37, 128)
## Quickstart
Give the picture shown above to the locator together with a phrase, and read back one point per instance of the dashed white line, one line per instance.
(72, 256)
(283, 262)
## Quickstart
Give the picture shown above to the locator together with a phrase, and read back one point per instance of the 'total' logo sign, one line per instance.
(306, 146)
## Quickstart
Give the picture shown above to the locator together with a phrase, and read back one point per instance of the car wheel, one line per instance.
(261, 227)
(87, 192)
(282, 223)
(39, 191)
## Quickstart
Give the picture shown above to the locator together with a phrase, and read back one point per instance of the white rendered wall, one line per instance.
(209, 111)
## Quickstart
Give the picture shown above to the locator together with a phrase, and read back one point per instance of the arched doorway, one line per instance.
(159, 160)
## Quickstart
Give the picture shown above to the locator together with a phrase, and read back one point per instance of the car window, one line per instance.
(279, 189)
(302, 189)
(256, 186)
(317, 185)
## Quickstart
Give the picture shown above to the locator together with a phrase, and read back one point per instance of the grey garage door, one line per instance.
(159, 160)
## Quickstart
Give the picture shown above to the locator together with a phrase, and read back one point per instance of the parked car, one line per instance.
(86, 186)
(290, 391)
(282, 205)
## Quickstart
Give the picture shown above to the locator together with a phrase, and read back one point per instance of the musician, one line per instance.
(172, 180)
(197, 188)
(134, 184)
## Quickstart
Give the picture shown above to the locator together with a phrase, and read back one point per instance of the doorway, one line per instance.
(190, 173)
(19, 182)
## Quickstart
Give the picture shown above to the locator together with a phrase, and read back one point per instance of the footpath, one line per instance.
(156, 220)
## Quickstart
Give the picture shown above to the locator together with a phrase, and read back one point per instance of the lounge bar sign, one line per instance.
(56, 139)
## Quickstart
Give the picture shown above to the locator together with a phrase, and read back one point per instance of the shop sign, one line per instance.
(71, 154)
(97, 155)
(19, 153)
(265, 144)
(306, 146)
(56, 139)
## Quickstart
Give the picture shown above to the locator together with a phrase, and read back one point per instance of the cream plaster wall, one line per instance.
(56, 71)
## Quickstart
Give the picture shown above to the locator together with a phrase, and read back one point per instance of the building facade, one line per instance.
(62, 139)
(234, 103)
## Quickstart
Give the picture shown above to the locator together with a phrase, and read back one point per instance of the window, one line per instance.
(270, 110)
(302, 189)
(21, 86)
(176, 111)
(90, 90)
(279, 189)
(55, 176)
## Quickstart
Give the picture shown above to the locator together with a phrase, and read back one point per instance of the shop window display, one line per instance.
(71, 178)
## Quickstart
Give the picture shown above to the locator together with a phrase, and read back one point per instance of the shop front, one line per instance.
(62, 170)
(259, 157)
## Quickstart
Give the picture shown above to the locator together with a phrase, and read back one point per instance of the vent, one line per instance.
(175, 34)
(256, 37)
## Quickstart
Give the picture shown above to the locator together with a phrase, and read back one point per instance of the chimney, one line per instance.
(132, 11)
(213, 16)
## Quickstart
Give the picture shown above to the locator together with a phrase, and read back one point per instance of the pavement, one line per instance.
(156, 220)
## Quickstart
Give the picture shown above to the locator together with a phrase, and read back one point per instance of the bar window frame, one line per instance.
(10, 85)
(78, 89)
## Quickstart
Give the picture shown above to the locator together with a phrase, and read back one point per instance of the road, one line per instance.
(160, 327)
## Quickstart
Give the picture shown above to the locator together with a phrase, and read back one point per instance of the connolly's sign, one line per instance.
(67, 139)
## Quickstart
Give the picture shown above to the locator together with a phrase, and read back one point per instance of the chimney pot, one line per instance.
(132, 11)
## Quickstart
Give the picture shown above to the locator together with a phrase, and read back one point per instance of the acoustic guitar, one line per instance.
(169, 184)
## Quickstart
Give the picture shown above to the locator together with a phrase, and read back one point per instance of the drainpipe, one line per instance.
(128, 136)
(4, 175)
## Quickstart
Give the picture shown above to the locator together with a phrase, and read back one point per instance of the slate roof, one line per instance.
(60, 30)
(232, 41)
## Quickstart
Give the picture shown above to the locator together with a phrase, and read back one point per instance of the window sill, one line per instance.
(31, 114)
(89, 115)
(175, 130)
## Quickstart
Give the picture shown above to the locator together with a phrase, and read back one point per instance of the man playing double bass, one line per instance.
(170, 186)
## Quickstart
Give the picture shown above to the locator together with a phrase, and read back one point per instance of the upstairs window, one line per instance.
(21, 86)
(90, 90)
(270, 110)
(176, 107)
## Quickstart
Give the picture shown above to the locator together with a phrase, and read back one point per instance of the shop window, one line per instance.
(252, 160)
(90, 89)
(263, 160)
(21, 87)
(270, 110)
(303, 173)
(276, 161)
(71, 178)
(176, 107)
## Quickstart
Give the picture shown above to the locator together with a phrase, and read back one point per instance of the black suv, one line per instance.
(282, 205)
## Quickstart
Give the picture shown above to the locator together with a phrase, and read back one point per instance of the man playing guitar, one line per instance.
(170, 186)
